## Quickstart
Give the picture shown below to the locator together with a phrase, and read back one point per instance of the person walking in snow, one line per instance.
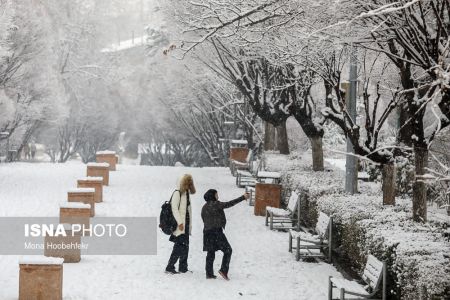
(182, 212)
(26, 151)
(214, 239)
(33, 149)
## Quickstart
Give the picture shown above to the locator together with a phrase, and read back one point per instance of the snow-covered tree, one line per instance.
(414, 35)
(28, 74)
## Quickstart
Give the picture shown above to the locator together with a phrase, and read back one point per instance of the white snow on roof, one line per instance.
(74, 205)
(105, 152)
(239, 142)
(93, 164)
(89, 178)
(269, 174)
(40, 260)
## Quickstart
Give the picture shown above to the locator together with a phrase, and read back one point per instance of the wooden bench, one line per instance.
(248, 177)
(374, 275)
(242, 166)
(308, 242)
(277, 218)
(251, 191)
(239, 153)
(268, 177)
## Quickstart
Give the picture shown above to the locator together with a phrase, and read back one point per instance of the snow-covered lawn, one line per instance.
(261, 266)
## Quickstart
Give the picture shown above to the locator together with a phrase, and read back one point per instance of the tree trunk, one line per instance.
(405, 127)
(269, 137)
(420, 188)
(282, 139)
(388, 173)
(317, 153)
(275, 138)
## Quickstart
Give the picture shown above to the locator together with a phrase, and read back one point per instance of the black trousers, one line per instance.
(180, 252)
(225, 247)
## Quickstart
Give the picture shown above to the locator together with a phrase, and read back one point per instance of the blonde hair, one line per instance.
(187, 184)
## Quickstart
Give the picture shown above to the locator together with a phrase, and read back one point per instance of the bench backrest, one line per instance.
(255, 166)
(249, 156)
(293, 200)
(322, 225)
(268, 177)
(373, 272)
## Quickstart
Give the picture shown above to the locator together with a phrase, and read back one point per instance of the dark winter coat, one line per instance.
(214, 220)
(213, 214)
(214, 240)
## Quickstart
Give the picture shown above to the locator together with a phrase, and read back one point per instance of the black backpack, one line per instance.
(167, 221)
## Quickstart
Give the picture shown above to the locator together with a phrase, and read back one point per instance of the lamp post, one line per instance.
(351, 164)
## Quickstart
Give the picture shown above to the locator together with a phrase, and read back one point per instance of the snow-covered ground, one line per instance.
(261, 266)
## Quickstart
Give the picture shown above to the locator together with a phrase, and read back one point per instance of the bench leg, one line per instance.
(267, 218)
(290, 242)
(330, 289)
(297, 255)
(342, 294)
(271, 221)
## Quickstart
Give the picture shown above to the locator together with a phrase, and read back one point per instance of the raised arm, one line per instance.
(232, 202)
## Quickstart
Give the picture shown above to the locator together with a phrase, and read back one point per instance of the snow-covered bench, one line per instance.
(268, 177)
(248, 177)
(258, 175)
(308, 242)
(277, 218)
(374, 275)
(236, 165)
(251, 190)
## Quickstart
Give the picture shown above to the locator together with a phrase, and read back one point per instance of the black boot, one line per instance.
(172, 272)
(224, 275)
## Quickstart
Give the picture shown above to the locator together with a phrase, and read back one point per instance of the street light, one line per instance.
(351, 164)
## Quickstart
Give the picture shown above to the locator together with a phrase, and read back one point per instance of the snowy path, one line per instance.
(261, 267)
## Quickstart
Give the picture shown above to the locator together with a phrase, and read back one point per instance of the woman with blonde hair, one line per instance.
(181, 210)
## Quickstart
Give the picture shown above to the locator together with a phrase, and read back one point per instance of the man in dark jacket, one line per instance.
(214, 239)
